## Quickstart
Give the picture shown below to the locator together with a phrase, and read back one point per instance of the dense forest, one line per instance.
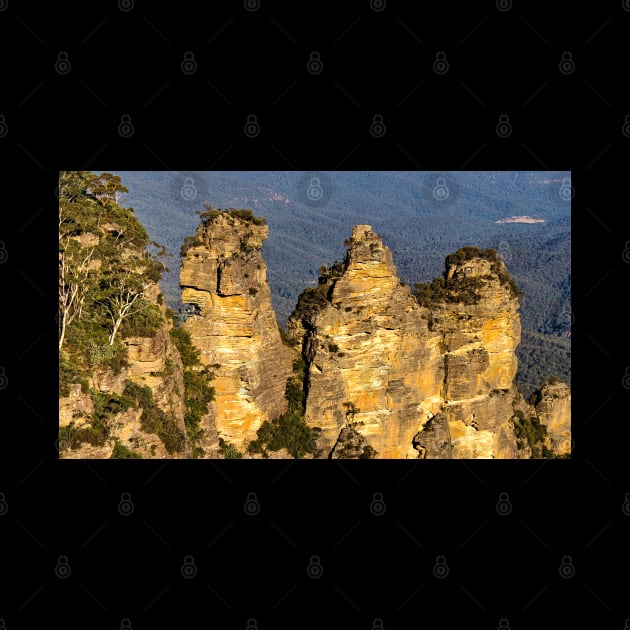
(422, 217)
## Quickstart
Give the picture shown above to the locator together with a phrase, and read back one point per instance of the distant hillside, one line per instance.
(422, 217)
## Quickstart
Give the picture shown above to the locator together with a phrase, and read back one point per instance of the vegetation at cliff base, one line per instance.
(197, 391)
(289, 430)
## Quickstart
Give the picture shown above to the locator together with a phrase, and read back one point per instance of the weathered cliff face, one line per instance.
(554, 412)
(480, 330)
(428, 380)
(153, 362)
(373, 364)
(224, 276)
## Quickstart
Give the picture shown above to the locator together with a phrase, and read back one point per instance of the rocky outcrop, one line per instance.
(373, 364)
(151, 361)
(480, 327)
(553, 410)
(426, 375)
(224, 277)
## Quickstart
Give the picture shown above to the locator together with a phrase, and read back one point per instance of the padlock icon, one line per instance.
(125, 624)
(4, 506)
(440, 65)
(377, 507)
(189, 65)
(4, 129)
(62, 65)
(626, 625)
(3, 253)
(315, 192)
(504, 624)
(252, 624)
(504, 252)
(566, 191)
(440, 568)
(504, 5)
(566, 570)
(504, 507)
(567, 65)
(125, 505)
(188, 191)
(3, 625)
(4, 381)
(252, 128)
(625, 129)
(626, 378)
(125, 5)
(252, 5)
(626, 253)
(314, 65)
(251, 507)
(440, 190)
(314, 569)
(189, 569)
(62, 570)
(377, 5)
(626, 505)
(125, 128)
(377, 624)
(504, 127)
(377, 128)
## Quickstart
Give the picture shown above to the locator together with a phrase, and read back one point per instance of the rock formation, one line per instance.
(373, 364)
(553, 410)
(429, 374)
(223, 275)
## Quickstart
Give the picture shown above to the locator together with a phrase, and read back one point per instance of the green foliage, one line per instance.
(530, 432)
(197, 395)
(154, 420)
(71, 437)
(228, 450)
(197, 392)
(183, 342)
(146, 321)
(104, 266)
(189, 241)
(369, 452)
(286, 340)
(333, 347)
(287, 431)
(211, 214)
(120, 451)
(69, 373)
(351, 409)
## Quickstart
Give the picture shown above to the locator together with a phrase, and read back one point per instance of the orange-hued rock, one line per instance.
(426, 380)
(373, 363)
(554, 412)
(236, 331)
